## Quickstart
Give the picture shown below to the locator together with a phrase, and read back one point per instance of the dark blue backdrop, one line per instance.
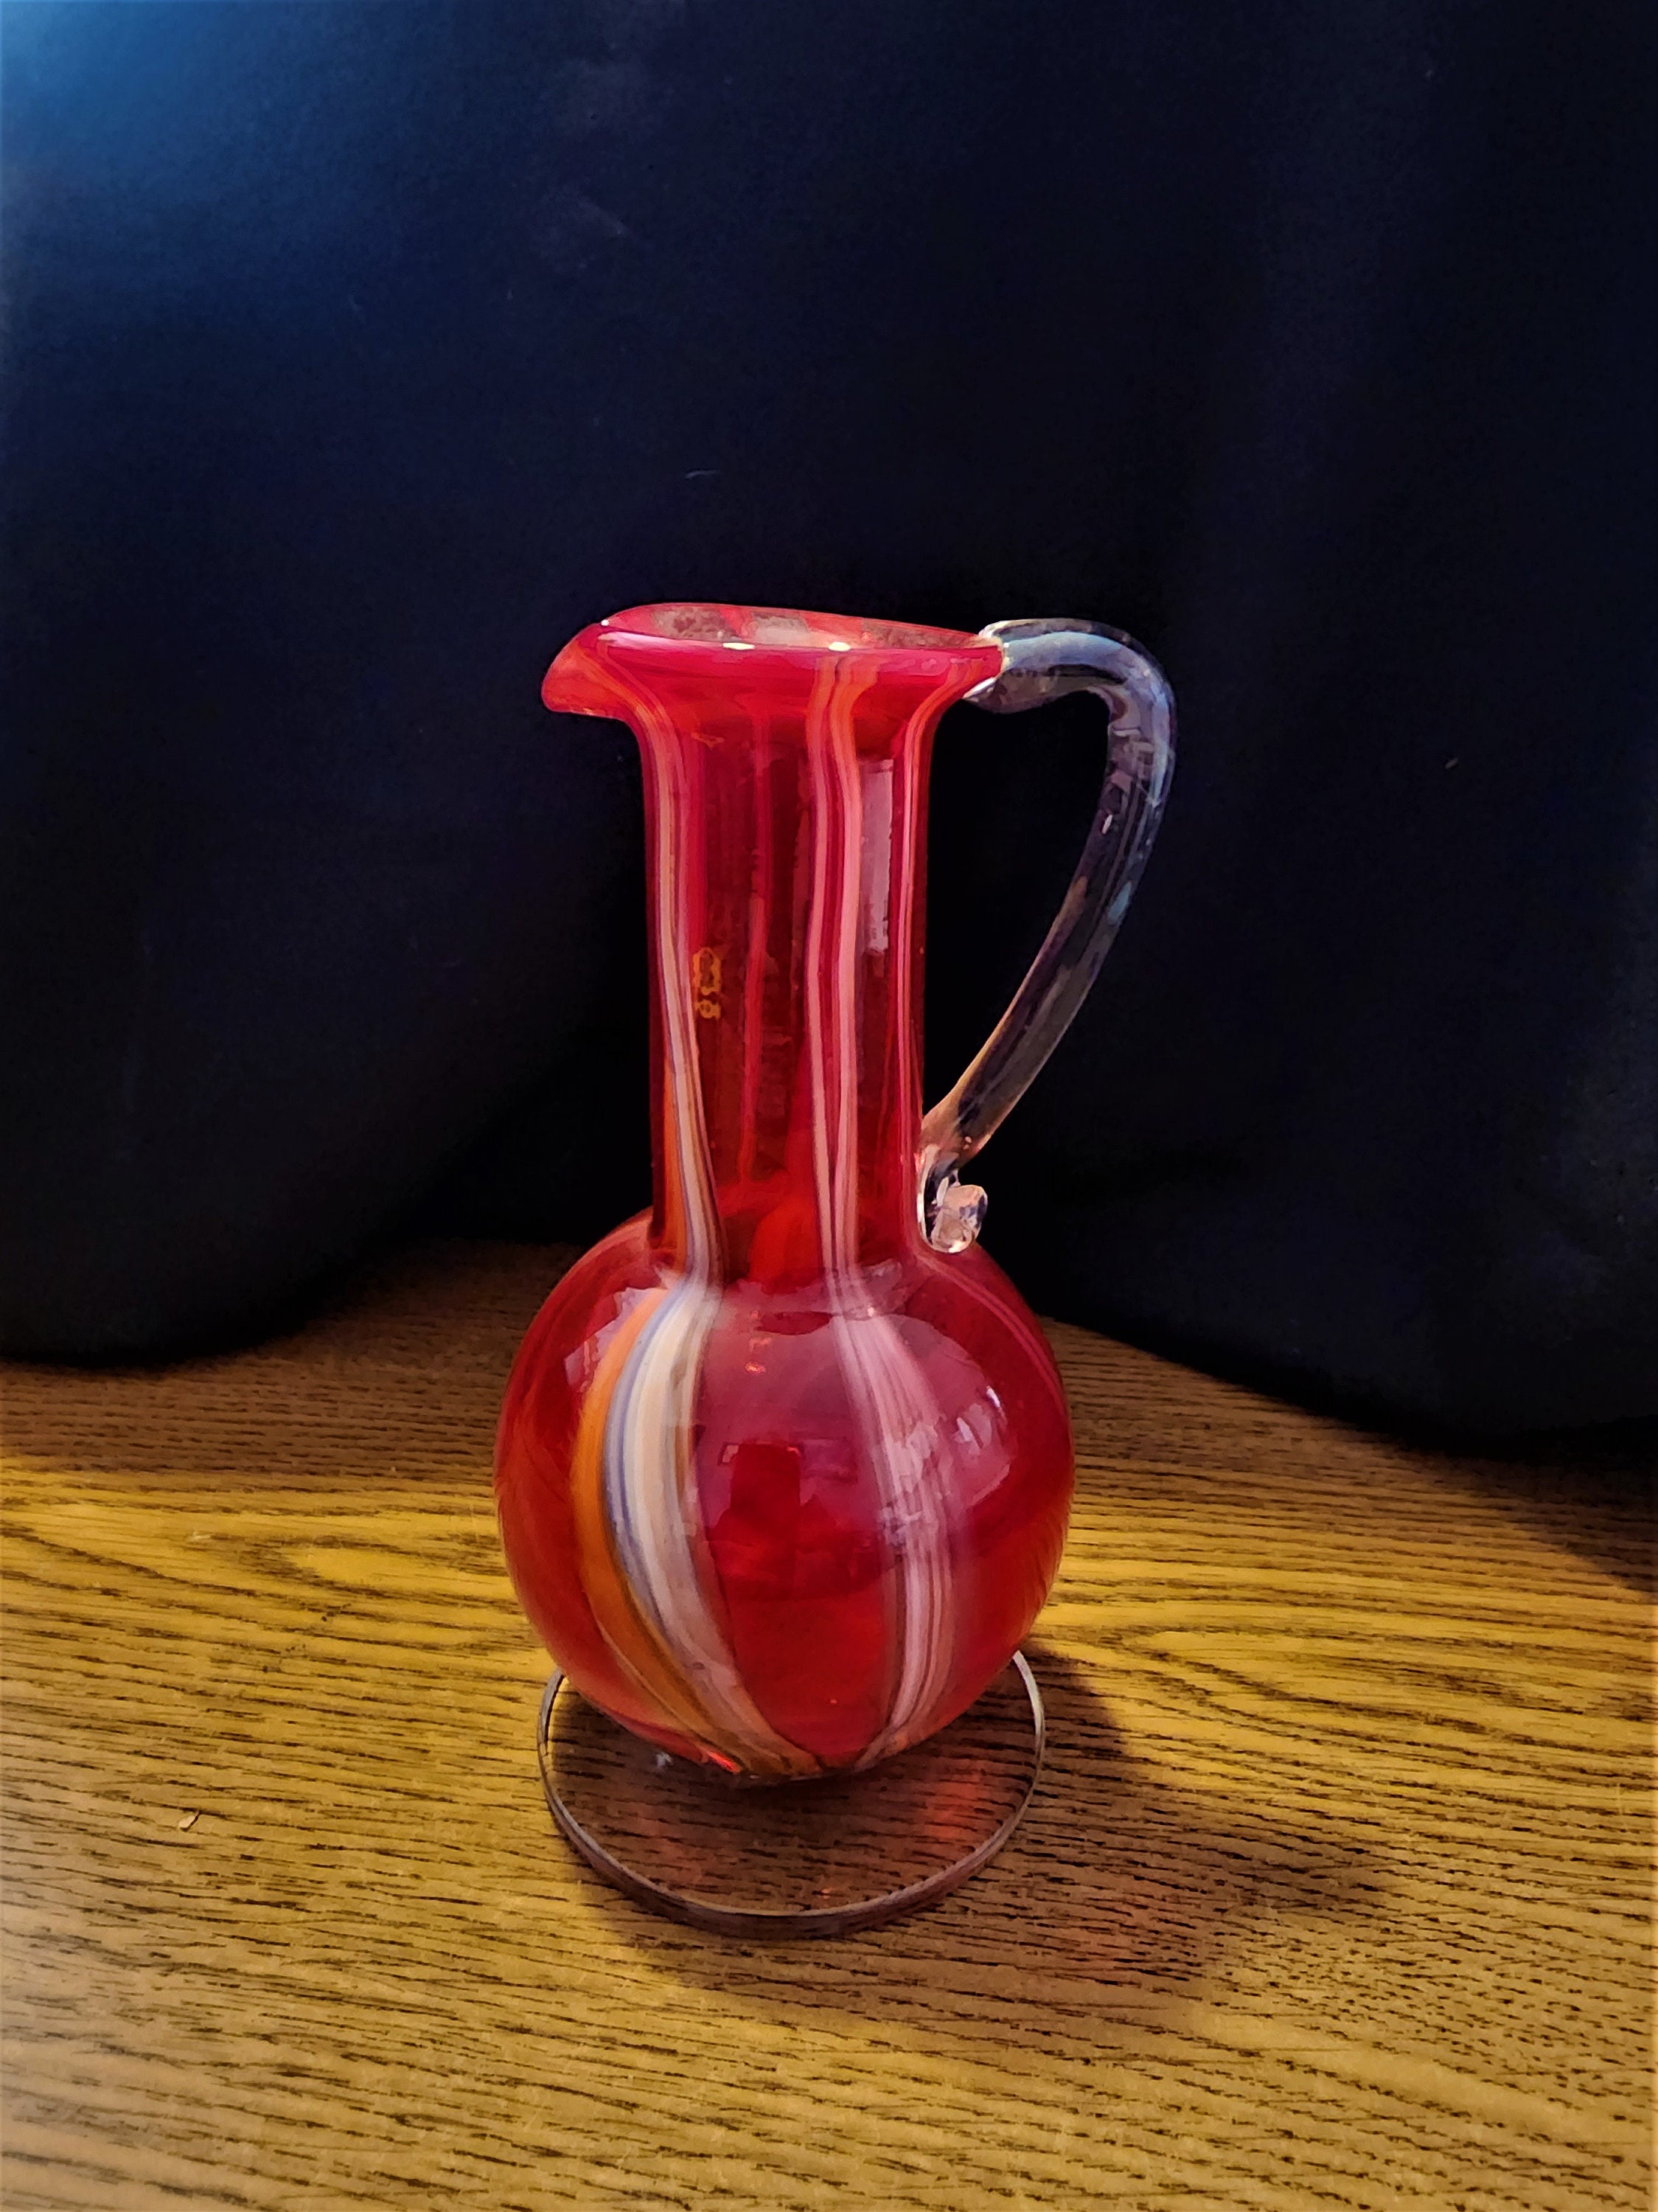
(357, 354)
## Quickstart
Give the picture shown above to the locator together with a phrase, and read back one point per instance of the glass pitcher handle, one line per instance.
(1044, 660)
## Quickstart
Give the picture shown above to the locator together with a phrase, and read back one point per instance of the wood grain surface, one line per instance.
(1336, 1891)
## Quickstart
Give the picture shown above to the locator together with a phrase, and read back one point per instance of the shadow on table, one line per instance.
(1117, 1883)
(1591, 1492)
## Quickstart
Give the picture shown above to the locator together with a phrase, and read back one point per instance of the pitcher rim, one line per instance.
(795, 633)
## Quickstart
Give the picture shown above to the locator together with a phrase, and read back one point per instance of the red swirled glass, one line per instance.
(781, 1483)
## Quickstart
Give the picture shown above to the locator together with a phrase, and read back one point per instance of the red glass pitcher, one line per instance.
(785, 1466)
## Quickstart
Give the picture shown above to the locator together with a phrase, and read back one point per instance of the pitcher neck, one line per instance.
(787, 861)
(785, 759)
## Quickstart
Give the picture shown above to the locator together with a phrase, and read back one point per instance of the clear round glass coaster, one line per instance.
(792, 1858)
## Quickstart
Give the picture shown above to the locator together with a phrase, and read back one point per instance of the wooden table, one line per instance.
(1335, 1893)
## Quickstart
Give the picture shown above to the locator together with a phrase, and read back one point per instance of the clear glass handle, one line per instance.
(1044, 660)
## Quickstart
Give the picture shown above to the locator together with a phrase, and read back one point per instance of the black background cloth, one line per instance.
(357, 355)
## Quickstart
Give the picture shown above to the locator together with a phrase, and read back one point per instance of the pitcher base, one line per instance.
(803, 1858)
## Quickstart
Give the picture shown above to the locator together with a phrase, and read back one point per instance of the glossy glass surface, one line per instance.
(781, 1481)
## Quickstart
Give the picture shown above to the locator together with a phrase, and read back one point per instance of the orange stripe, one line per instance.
(624, 1629)
(602, 1579)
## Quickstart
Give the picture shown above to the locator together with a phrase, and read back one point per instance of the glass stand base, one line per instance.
(792, 1858)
